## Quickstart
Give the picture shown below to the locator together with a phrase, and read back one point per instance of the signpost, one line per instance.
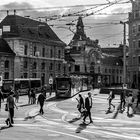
(0, 81)
(51, 83)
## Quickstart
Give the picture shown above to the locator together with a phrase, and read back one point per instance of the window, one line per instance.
(133, 29)
(43, 52)
(138, 28)
(34, 75)
(69, 68)
(139, 60)
(34, 51)
(59, 67)
(99, 70)
(51, 66)
(139, 43)
(25, 64)
(25, 49)
(6, 64)
(34, 65)
(6, 75)
(77, 68)
(25, 75)
(105, 70)
(59, 54)
(43, 66)
(134, 44)
(51, 53)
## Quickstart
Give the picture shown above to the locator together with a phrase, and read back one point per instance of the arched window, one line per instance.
(59, 54)
(25, 49)
(34, 65)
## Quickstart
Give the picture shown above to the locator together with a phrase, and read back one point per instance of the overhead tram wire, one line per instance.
(60, 7)
(110, 4)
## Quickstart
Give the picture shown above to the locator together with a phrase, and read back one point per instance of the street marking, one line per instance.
(62, 133)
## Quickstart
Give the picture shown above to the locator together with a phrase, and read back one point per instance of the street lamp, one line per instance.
(124, 53)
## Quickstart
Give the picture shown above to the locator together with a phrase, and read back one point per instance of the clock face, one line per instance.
(79, 27)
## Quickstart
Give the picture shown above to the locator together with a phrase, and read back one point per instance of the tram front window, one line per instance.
(63, 85)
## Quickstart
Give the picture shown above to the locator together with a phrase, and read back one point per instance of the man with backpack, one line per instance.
(110, 98)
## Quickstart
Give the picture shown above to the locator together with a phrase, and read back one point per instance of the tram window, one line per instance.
(24, 84)
(35, 83)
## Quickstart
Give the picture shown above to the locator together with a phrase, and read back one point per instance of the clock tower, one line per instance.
(80, 34)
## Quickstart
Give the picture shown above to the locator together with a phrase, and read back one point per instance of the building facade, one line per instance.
(6, 60)
(134, 45)
(39, 53)
(102, 66)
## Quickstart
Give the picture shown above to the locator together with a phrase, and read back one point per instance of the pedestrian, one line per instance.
(138, 98)
(80, 104)
(33, 96)
(1, 97)
(122, 99)
(16, 95)
(110, 98)
(130, 101)
(41, 99)
(29, 96)
(88, 106)
(10, 105)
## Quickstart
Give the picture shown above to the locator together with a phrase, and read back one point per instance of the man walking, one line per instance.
(41, 99)
(110, 98)
(10, 106)
(80, 104)
(88, 106)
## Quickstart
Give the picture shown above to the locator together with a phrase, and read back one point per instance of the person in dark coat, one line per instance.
(41, 99)
(80, 104)
(88, 106)
(122, 99)
(10, 106)
(1, 97)
(138, 98)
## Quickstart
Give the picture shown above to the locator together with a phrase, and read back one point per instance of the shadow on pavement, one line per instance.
(81, 127)
(4, 127)
(30, 117)
(74, 120)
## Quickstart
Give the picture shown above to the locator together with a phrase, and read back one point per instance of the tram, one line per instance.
(22, 84)
(63, 87)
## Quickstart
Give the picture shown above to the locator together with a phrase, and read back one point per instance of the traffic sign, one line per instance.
(50, 80)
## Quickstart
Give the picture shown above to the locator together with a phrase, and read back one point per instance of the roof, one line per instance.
(5, 48)
(118, 52)
(112, 61)
(28, 28)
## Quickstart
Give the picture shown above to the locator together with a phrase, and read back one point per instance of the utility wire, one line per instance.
(61, 7)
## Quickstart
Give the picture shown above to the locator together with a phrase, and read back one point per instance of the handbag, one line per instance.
(6, 107)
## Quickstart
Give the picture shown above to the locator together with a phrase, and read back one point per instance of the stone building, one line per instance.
(112, 66)
(102, 66)
(6, 60)
(86, 53)
(134, 45)
(39, 53)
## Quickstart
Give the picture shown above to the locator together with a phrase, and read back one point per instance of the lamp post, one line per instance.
(124, 53)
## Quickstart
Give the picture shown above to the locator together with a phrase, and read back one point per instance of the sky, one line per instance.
(102, 24)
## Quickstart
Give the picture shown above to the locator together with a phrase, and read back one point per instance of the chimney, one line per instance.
(14, 12)
(7, 12)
